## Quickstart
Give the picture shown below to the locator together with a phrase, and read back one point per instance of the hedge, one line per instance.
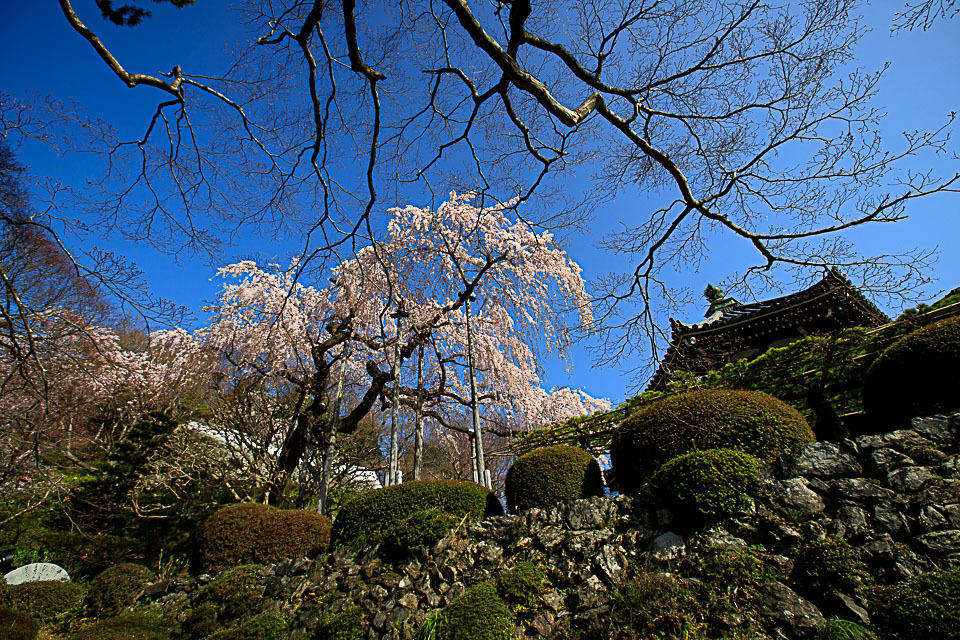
(916, 375)
(707, 484)
(479, 614)
(550, 476)
(368, 516)
(750, 421)
(251, 533)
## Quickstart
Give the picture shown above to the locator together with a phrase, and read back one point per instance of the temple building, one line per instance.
(733, 331)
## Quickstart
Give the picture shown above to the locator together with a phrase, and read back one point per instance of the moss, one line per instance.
(916, 375)
(825, 565)
(522, 586)
(266, 626)
(837, 629)
(552, 475)
(722, 568)
(256, 533)
(746, 420)
(368, 516)
(923, 607)
(116, 588)
(235, 593)
(346, 625)
(145, 625)
(201, 621)
(46, 601)
(707, 484)
(17, 625)
(479, 614)
(422, 529)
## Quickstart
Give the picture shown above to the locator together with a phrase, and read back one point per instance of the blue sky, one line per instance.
(42, 55)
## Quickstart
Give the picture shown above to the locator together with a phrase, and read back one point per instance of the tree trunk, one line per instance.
(393, 475)
(294, 445)
(330, 441)
(479, 464)
(418, 433)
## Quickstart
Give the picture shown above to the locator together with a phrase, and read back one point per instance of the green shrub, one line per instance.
(710, 419)
(916, 375)
(825, 565)
(479, 614)
(256, 533)
(47, 600)
(422, 529)
(552, 475)
(116, 588)
(201, 621)
(143, 625)
(707, 484)
(17, 625)
(837, 629)
(368, 516)
(923, 607)
(522, 585)
(266, 626)
(345, 625)
(235, 593)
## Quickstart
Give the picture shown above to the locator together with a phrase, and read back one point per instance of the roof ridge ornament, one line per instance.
(718, 301)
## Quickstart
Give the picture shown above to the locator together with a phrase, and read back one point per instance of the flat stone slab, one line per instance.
(37, 572)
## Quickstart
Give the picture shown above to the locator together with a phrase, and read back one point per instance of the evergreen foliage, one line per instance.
(837, 629)
(141, 625)
(707, 484)
(921, 608)
(825, 565)
(234, 593)
(368, 516)
(259, 534)
(479, 614)
(421, 529)
(270, 625)
(116, 588)
(345, 625)
(552, 475)
(916, 375)
(709, 419)
(46, 601)
(17, 625)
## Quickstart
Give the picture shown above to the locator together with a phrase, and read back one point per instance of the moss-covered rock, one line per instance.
(923, 607)
(828, 564)
(270, 625)
(368, 516)
(256, 533)
(422, 529)
(235, 593)
(116, 588)
(550, 476)
(46, 601)
(479, 614)
(344, 625)
(707, 484)
(749, 421)
(17, 625)
(142, 625)
(916, 375)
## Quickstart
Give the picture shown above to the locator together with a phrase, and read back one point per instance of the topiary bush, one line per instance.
(235, 593)
(422, 529)
(479, 614)
(17, 625)
(345, 625)
(523, 585)
(825, 565)
(552, 475)
(266, 626)
(367, 517)
(916, 375)
(707, 484)
(259, 534)
(924, 606)
(116, 588)
(46, 600)
(143, 625)
(837, 629)
(749, 421)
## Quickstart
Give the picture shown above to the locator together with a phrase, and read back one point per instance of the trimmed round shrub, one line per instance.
(367, 517)
(522, 586)
(45, 600)
(345, 625)
(146, 625)
(825, 565)
(235, 593)
(552, 475)
(837, 629)
(422, 529)
(200, 622)
(707, 484)
(923, 607)
(916, 375)
(251, 533)
(117, 588)
(17, 625)
(479, 614)
(266, 626)
(750, 421)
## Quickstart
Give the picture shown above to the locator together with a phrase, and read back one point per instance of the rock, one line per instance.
(886, 460)
(843, 606)
(794, 496)
(851, 522)
(908, 479)
(820, 459)
(939, 429)
(667, 546)
(859, 489)
(940, 491)
(782, 605)
(37, 572)
(542, 623)
(889, 519)
(941, 542)
(157, 589)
